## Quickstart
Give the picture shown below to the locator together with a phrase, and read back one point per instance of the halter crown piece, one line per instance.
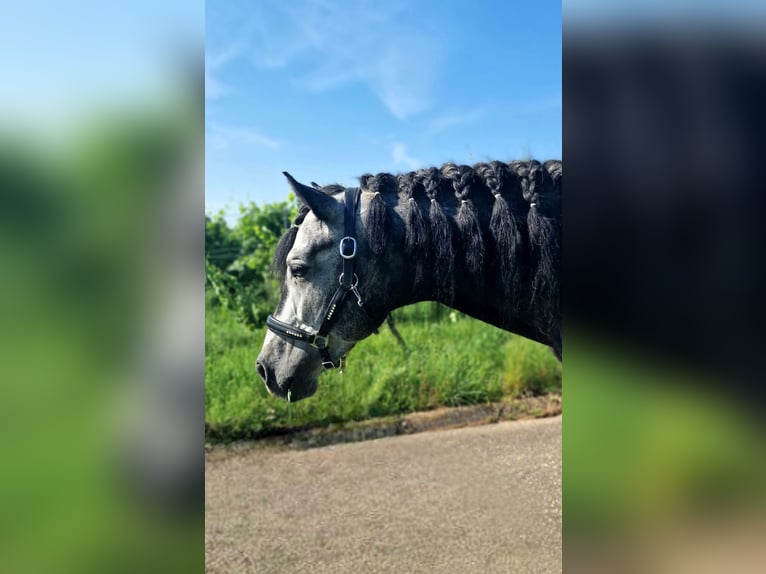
(348, 282)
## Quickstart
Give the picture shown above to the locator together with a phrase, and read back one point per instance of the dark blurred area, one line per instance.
(663, 288)
(102, 329)
(664, 140)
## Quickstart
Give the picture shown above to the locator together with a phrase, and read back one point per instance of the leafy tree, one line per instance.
(221, 246)
(237, 260)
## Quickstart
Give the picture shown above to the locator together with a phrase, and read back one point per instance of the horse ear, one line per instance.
(318, 201)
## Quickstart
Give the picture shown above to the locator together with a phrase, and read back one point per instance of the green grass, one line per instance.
(452, 360)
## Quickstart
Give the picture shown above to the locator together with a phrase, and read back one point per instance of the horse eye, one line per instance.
(298, 270)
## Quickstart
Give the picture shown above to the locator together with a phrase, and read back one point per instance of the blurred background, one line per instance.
(101, 336)
(663, 299)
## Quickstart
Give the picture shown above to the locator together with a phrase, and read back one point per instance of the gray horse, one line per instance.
(485, 240)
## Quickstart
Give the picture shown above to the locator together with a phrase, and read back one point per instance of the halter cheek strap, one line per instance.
(348, 282)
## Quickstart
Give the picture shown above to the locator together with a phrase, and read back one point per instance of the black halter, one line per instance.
(348, 283)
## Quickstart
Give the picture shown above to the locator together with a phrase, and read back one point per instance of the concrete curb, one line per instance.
(438, 419)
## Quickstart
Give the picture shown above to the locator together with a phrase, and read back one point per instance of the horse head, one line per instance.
(328, 273)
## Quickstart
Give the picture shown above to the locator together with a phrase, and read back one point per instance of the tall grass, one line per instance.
(452, 360)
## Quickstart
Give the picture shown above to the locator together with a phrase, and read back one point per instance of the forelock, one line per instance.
(285, 244)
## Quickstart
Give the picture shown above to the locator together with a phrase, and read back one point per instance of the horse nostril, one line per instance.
(262, 372)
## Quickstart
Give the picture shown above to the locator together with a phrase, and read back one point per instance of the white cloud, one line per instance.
(399, 156)
(215, 88)
(219, 137)
(404, 74)
(337, 43)
(446, 121)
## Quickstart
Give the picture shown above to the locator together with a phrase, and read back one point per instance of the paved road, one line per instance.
(480, 499)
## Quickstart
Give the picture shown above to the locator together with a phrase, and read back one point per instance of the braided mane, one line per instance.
(499, 214)
(494, 213)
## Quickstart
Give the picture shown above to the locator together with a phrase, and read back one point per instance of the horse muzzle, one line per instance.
(289, 388)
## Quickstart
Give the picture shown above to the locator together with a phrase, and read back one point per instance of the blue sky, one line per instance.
(331, 89)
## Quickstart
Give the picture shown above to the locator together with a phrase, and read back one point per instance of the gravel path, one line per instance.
(479, 499)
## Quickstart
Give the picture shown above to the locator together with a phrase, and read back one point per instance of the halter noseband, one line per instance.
(348, 282)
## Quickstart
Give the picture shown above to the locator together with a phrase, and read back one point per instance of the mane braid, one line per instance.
(417, 236)
(441, 238)
(467, 219)
(504, 229)
(536, 183)
(376, 221)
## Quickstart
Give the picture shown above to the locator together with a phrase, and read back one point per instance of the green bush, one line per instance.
(237, 259)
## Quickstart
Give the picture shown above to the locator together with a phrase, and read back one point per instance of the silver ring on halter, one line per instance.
(354, 284)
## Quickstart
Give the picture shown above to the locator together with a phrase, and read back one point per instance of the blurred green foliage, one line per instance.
(648, 449)
(83, 222)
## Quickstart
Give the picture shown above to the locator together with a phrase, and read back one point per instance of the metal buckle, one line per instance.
(329, 365)
(353, 284)
(353, 250)
(319, 342)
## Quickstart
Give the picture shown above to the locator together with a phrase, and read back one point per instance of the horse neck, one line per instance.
(477, 294)
(481, 298)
